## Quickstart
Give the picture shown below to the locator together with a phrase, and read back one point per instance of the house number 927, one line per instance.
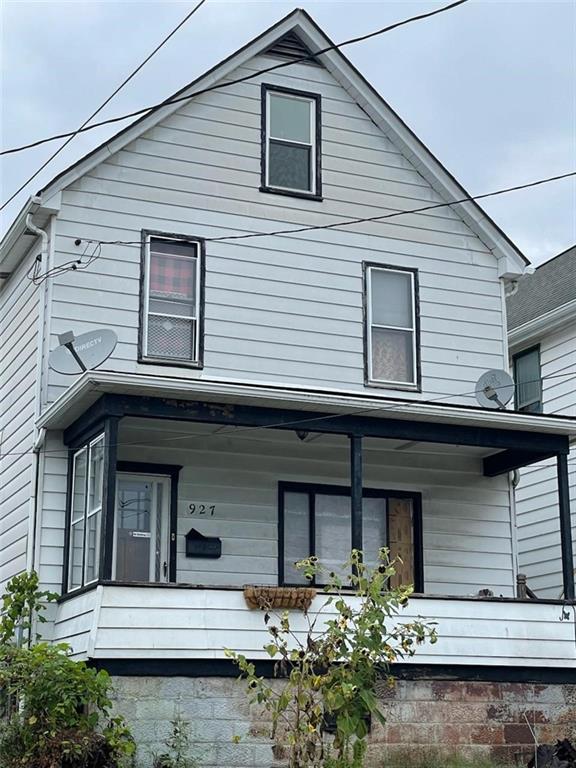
(202, 509)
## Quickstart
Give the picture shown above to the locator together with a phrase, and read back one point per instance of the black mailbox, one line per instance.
(198, 545)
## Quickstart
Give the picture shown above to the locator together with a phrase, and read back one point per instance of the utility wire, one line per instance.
(308, 420)
(104, 103)
(392, 215)
(217, 86)
(78, 264)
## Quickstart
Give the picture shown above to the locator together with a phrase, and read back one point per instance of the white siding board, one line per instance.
(537, 494)
(53, 512)
(198, 173)
(18, 351)
(162, 623)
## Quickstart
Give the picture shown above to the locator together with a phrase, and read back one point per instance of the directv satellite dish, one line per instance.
(494, 389)
(82, 353)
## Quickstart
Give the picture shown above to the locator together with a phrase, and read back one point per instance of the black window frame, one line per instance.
(345, 490)
(316, 193)
(415, 386)
(200, 243)
(524, 408)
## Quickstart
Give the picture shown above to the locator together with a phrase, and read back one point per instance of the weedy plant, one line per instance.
(56, 710)
(329, 669)
(178, 746)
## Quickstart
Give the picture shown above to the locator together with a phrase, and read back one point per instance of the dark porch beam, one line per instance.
(108, 496)
(565, 528)
(507, 461)
(283, 418)
(356, 490)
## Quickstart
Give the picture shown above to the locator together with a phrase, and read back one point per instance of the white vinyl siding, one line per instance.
(287, 309)
(537, 493)
(164, 623)
(19, 307)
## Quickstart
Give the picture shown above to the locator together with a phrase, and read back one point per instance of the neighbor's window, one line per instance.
(316, 521)
(171, 300)
(86, 514)
(291, 144)
(391, 332)
(527, 377)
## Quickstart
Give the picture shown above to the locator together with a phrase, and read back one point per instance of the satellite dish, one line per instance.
(494, 389)
(82, 353)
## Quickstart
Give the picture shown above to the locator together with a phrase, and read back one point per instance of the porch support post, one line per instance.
(356, 489)
(108, 496)
(565, 527)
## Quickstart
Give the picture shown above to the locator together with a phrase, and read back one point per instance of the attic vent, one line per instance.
(291, 47)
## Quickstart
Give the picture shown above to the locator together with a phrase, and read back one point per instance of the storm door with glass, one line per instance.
(141, 528)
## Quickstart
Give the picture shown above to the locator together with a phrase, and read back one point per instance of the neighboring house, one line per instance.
(258, 385)
(542, 339)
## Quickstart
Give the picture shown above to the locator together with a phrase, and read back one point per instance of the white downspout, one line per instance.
(38, 435)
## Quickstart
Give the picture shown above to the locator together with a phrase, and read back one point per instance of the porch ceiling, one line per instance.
(182, 434)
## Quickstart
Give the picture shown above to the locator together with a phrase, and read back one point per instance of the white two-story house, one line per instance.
(542, 338)
(295, 374)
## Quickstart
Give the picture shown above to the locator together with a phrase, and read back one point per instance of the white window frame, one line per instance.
(87, 514)
(413, 329)
(312, 144)
(195, 360)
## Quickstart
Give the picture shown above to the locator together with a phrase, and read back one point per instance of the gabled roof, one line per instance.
(551, 286)
(284, 38)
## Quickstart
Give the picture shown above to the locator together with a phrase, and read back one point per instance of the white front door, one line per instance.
(141, 528)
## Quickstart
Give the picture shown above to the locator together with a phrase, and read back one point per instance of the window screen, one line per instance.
(528, 381)
(391, 332)
(290, 149)
(171, 300)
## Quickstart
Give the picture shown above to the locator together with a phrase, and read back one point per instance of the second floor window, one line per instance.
(528, 381)
(291, 143)
(171, 300)
(391, 326)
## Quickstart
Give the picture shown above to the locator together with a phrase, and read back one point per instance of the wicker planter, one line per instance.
(266, 598)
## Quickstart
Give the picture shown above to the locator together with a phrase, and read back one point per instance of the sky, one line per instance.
(489, 87)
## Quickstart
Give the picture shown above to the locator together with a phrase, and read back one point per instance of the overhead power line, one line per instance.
(381, 217)
(104, 103)
(284, 424)
(79, 264)
(218, 86)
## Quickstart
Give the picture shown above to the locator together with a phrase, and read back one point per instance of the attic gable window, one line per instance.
(391, 327)
(291, 142)
(171, 300)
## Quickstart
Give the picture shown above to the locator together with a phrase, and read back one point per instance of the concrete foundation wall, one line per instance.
(472, 719)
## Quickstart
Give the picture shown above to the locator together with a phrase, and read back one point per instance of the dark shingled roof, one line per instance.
(552, 285)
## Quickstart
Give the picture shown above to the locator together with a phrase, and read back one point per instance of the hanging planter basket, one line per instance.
(266, 598)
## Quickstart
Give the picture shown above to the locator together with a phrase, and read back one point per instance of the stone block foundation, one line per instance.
(498, 721)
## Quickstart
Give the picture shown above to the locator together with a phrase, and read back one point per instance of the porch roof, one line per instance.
(90, 386)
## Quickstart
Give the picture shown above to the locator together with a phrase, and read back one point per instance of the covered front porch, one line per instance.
(201, 498)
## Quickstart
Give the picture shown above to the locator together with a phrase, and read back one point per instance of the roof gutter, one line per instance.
(12, 247)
